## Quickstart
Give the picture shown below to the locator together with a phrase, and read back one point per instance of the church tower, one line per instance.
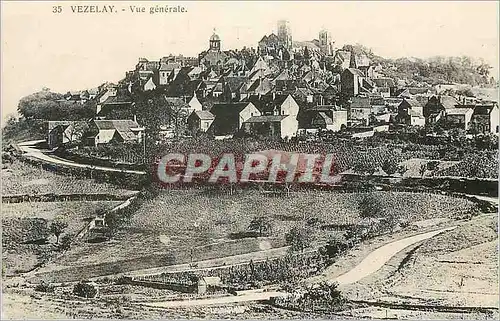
(214, 42)
(285, 34)
(325, 42)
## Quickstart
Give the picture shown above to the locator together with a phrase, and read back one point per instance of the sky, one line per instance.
(69, 51)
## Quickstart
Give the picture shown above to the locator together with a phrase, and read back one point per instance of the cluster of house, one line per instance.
(281, 89)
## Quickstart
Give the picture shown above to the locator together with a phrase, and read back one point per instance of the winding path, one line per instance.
(376, 259)
(29, 150)
(370, 264)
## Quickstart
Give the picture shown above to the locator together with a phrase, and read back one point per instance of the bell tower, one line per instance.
(214, 42)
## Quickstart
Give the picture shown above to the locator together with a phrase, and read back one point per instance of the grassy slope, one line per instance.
(191, 219)
(30, 221)
(459, 267)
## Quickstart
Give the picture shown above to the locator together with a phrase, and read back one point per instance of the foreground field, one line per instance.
(458, 268)
(172, 230)
(21, 178)
(125, 301)
(26, 238)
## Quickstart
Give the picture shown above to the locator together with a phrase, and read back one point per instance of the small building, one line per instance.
(353, 82)
(360, 109)
(119, 131)
(410, 112)
(235, 88)
(229, 118)
(274, 126)
(485, 118)
(149, 85)
(384, 86)
(200, 121)
(116, 99)
(63, 132)
(459, 117)
(326, 117)
(177, 103)
(260, 86)
(208, 283)
(268, 104)
(194, 104)
(437, 106)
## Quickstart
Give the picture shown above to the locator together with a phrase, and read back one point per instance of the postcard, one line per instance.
(249, 160)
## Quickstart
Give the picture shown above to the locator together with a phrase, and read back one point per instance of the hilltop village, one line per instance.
(282, 89)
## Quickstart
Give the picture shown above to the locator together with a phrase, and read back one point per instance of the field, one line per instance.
(25, 226)
(458, 268)
(21, 178)
(365, 156)
(169, 229)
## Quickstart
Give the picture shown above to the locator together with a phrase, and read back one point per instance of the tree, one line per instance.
(327, 295)
(78, 132)
(57, 227)
(366, 167)
(44, 287)
(113, 222)
(336, 247)
(85, 290)
(423, 169)
(402, 169)
(432, 165)
(457, 136)
(47, 105)
(484, 69)
(39, 105)
(299, 238)
(261, 224)
(66, 242)
(390, 166)
(370, 206)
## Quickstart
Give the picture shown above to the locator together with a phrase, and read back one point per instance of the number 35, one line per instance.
(56, 9)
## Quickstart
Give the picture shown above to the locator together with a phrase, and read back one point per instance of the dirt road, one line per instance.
(376, 259)
(373, 262)
(29, 150)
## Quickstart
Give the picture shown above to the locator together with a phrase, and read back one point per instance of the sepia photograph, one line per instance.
(250, 160)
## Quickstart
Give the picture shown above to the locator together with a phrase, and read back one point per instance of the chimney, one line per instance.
(135, 118)
(274, 95)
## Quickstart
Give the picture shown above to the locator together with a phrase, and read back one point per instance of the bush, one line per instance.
(323, 297)
(44, 287)
(334, 247)
(66, 241)
(85, 290)
(370, 206)
(261, 224)
(299, 238)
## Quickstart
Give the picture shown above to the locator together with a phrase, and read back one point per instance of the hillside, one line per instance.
(433, 70)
